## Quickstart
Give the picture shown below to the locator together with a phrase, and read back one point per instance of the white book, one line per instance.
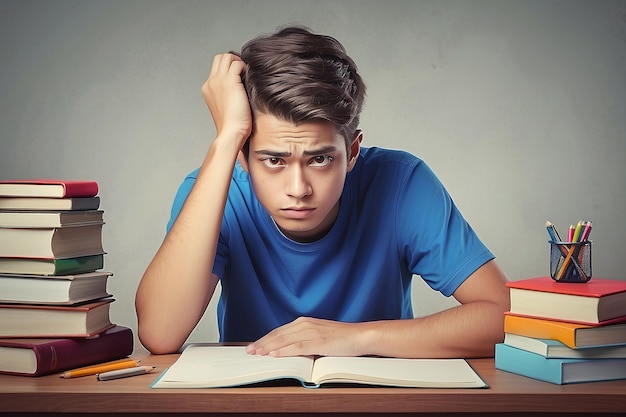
(43, 203)
(554, 349)
(53, 289)
(48, 243)
(204, 366)
(48, 219)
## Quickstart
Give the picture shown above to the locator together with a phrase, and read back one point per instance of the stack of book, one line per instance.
(54, 304)
(565, 332)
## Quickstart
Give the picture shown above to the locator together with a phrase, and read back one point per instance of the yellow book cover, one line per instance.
(574, 335)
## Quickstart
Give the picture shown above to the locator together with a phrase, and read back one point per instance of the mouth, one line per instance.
(297, 212)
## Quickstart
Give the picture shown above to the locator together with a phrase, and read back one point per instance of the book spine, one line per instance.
(80, 188)
(84, 203)
(82, 264)
(539, 330)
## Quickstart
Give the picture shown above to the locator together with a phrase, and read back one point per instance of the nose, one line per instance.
(298, 185)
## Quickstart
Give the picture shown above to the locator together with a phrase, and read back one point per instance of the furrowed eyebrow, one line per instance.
(320, 151)
(278, 154)
(275, 154)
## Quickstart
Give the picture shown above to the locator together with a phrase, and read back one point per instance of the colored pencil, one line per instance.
(581, 233)
(554, 236)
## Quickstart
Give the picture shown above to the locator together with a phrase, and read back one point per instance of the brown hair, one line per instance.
(300, 76)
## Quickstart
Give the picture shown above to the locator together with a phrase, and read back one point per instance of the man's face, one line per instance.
(298, 173)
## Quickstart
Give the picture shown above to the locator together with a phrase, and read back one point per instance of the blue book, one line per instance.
(557, 370)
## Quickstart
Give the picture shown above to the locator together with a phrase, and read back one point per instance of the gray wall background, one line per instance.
(519, 106)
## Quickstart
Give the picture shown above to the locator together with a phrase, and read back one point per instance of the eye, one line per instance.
(321, 160)
(272, 162)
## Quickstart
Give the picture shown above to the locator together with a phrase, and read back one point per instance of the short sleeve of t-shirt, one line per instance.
(221, 259)
(437, 242)
(181, 196)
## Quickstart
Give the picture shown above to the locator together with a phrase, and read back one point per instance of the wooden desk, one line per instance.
(508, 393)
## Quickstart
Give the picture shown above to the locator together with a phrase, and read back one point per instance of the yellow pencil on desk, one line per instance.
(123, 373)
(100, 368)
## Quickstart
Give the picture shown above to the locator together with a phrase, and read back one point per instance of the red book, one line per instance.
(45, 187)
(36, 357)
(596, 301)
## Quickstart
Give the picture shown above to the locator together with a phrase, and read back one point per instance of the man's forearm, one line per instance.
(469, 330)
(178, 284)
(176, 287)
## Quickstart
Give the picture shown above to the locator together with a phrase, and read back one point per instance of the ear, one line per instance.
(355, 149)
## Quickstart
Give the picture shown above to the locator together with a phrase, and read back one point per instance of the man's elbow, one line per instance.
(155, 335)
(158, 343)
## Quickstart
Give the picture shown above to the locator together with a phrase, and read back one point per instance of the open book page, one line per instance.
(210, 366)
(201, 366)
(419, 373)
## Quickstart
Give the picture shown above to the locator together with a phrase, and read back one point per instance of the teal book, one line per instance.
(67, 266)
(557, 370)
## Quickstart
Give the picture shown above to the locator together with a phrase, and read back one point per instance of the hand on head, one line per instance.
(226, 97)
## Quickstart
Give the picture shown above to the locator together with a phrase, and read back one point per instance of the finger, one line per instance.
(293, 335)
(303, 348)
(224, 64)
(236, 67)
(215, 65)
(221, 63)
(266, 343)
(295, 347)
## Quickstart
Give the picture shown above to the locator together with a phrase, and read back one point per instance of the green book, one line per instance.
(67, 266)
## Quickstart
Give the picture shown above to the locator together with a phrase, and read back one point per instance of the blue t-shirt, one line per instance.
(395, 220)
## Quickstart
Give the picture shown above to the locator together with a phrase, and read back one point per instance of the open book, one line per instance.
(203, 366)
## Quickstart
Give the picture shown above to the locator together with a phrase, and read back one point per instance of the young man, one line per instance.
(315, 240)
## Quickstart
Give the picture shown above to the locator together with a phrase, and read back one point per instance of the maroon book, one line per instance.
(36, 357)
